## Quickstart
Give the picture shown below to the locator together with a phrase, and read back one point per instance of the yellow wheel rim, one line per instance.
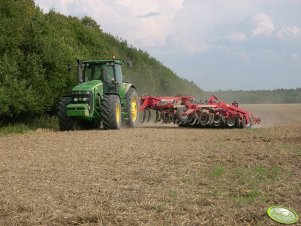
(118, 113)
(134, 109)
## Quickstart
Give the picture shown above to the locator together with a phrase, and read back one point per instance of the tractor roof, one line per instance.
(103, 61)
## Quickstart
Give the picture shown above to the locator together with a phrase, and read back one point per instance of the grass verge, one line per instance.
(43, 122)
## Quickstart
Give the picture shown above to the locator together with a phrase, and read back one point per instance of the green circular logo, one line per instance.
(282, 215)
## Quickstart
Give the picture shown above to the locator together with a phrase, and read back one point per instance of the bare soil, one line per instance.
(153, 175)
(276, 114)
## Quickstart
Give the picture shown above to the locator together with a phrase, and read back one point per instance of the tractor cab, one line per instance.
(108, 71)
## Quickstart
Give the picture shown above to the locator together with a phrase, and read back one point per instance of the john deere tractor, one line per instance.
(101, 99)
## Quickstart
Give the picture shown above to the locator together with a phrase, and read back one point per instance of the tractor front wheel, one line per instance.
(65, 122)
(111, 112)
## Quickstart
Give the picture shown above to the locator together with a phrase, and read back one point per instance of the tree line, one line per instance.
(276, 96)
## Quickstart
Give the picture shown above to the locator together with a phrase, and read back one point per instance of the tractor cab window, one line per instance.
(107, 73)
(103, 72)
(118, 73)
(91, 72)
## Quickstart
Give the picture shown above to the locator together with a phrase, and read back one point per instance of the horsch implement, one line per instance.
(187, 112)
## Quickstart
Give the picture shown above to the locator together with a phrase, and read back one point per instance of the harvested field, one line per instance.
(153, 175)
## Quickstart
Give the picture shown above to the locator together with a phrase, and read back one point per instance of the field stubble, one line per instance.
(151, 175)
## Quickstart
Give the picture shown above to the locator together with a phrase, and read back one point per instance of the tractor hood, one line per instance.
(87, 86)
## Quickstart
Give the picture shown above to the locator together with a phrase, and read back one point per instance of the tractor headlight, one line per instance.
(82, 97)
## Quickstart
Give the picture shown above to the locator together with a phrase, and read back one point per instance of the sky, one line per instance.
(218, 44)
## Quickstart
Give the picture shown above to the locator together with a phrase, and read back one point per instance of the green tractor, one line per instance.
(101, 99)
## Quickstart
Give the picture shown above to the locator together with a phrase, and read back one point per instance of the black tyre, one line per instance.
(244, 122)
(238, 122)
(217, 120)
(180, 114)
(132, 108)
(231, 122)
(65, 122)
(111, 112)
(204, 118)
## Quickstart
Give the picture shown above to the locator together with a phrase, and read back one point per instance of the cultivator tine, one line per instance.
(163, 117)
(256, 120)
(198, 117)
(158, 117)
(211, 118)
(166, 117)
(193, 122)
(143, 117)
(223, 121)
(146, 115)
(149, 115)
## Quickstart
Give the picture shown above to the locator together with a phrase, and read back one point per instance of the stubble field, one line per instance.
(154, 175)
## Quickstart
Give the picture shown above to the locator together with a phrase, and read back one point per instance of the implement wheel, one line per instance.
(231, 122)
(180, 114)
(217, 121)
(132, 108)
(111, 112)
(65, 122)
(244, 122)
(204, 119)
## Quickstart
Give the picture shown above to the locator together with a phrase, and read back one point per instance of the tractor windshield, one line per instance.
(103, 72)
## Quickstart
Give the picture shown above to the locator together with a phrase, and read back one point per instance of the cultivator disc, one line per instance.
(187, 112)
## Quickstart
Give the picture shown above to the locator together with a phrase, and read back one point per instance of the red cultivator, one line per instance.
(187, 112)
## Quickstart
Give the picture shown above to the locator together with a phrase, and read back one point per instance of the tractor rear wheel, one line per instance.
(65, 122)
(132, 108)
(111, 112)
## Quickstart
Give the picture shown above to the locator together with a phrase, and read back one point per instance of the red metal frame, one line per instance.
(184, 110)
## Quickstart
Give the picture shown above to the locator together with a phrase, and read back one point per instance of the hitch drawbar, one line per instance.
(187, 112)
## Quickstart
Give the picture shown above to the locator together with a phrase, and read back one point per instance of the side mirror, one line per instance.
(129, 63)
(79, 71)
